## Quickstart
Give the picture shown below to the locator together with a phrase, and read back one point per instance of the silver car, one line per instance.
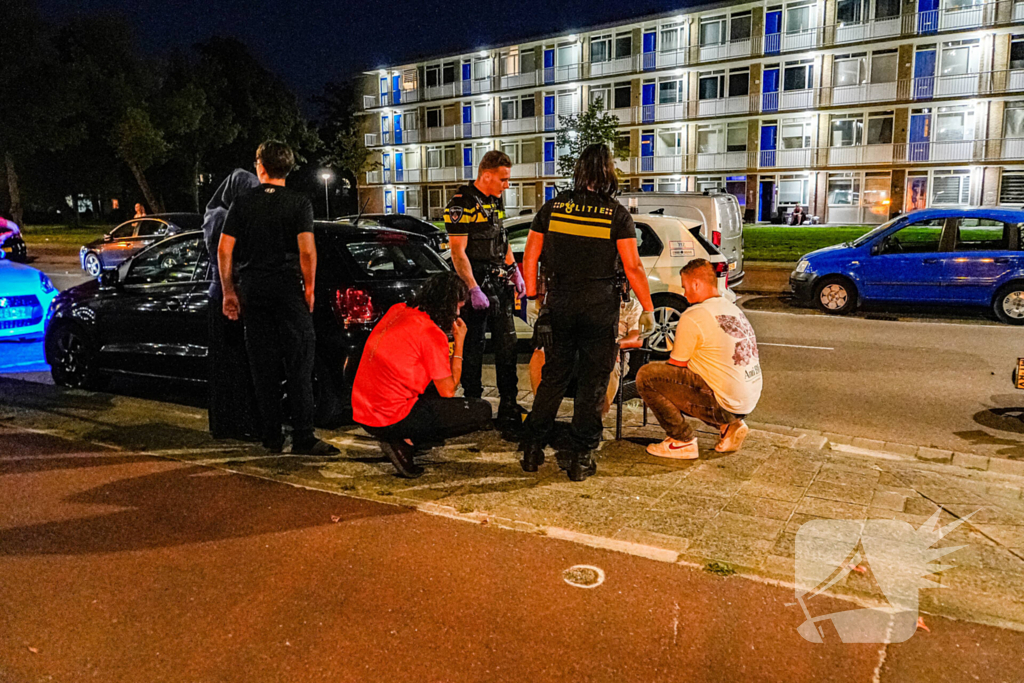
(131, 237)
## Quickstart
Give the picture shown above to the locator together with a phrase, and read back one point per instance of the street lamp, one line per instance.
(327, 175)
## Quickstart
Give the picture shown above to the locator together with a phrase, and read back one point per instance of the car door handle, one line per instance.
(930, 260)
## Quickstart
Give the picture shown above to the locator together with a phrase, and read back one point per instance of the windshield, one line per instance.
(396, 260)
(867, 237)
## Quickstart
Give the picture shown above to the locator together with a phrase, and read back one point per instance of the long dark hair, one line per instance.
(439, 297)
(596, 169)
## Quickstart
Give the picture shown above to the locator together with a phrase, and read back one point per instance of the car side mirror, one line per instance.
(108, 237)
(109, 278)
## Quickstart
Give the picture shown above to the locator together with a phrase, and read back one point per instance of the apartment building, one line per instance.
(854, 109)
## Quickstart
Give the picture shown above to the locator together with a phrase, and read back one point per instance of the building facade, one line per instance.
(854, 109)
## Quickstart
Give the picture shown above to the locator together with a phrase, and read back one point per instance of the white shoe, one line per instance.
(678, 450)
(732, 437)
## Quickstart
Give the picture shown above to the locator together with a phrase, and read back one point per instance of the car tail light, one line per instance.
(722, 270)
(716, 238)
(353, 306)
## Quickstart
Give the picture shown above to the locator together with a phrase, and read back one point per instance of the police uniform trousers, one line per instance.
(281, 343)
(232, 407)
(499, 321)
(584, 324)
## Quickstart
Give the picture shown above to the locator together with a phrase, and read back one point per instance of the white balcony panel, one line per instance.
(438, 92)
(527, 125)
(970, 17)
(794, 158)
(674, 58)
(410, 136)
(723, 161)
(370, 139)
(1016, 81)
(449, 174)
(953, 86)
(1018, 12)
(481, 129)
(614, 66)
(668, 164)
(483, 85)
(524, 170)
(861, 154)
(803, 40)
(849, 33)
(797, 99)
(1013, 148)
(442, 133)
(723, 106)
(414, 211)
(567, 72)
(625, 115)
(671, 112)
(952, 150)
(526, 80)
(369, 101)
(373, 177)
(710, 53)
(866, 92)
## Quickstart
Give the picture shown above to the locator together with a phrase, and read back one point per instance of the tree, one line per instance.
(343, 150)
(37, 100)
(139, 143)
(594, 126)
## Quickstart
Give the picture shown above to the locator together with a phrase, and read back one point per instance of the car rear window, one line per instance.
(395, 259)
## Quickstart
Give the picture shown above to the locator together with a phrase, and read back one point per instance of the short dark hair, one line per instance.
(494, 160)
(439, 298)
(277, 158)
(596, 169)
(702, 269)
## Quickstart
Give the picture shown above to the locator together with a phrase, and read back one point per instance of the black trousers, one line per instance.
(281, 343)
(584, 324)
(434, 418)
(232, 408)
(499, 320)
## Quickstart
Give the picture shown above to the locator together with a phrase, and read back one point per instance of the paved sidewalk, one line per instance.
(741, 511)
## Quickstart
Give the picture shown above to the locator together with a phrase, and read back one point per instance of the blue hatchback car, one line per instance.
(961, 257)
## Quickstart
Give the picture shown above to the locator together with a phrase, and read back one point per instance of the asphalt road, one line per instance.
(120, 567)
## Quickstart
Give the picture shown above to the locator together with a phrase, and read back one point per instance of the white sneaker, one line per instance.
(678, 450)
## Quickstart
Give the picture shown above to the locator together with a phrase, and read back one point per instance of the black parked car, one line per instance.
(149, 316)
(133, 236)
(400, 221)
(12, 244)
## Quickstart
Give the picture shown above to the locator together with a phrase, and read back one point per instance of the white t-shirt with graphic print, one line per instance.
(716, 341)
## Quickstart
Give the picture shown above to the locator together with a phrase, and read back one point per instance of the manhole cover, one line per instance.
(583, 576)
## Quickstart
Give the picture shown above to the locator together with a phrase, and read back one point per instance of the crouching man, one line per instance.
(404, 391)
(713, 373)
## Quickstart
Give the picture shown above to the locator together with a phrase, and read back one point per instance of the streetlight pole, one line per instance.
(326, 175)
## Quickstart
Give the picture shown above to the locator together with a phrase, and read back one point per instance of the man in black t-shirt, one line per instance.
(268, 242)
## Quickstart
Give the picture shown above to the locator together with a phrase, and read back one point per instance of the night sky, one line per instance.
(311, 42)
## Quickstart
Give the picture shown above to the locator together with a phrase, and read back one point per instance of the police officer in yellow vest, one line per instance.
(583, 233)
(483, 258)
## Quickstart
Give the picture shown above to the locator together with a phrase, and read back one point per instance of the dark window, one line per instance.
(709, 87)
(123, 231)
(887, 9)
(1011, 189)
(849, 11)
(169, 262)
(1017, 54)
(623, 96)
(739, 84)
(151, 228)
(527, 107)
(647, 242)
(433, 118)
(508, 110)
(739, 27)
(448, 73)
(798, 77)
(432, 77)
(623, 47)
(393, 260)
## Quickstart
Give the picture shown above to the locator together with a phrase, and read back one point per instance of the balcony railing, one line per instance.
(721, 161)
(525, 170)
(623, 65)
(369, 139)
(724, 106)
(865, 92)
(444, 174)
(530, 124)
(730, 50)
(857, 155)
(374, 177)
(408, 175)
(874, 29)
(369, 101)
(441, 133)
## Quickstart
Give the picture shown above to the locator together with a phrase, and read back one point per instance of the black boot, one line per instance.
(533, 457)
(401, 456)
(510, 421)
(582, 466)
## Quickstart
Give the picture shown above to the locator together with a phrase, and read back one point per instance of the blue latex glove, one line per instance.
(519, 283)
(478, 299)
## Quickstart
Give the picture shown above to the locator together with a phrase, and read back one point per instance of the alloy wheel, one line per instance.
(665, 320)
(833, 296)
(1013, 304)
(92, 265)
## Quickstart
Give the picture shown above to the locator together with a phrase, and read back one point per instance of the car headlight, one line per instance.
(45, 283)
(802, 266)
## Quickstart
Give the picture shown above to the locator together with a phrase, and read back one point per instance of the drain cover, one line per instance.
(583, 576)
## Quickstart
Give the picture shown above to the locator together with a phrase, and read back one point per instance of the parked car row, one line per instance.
(12, 244)
(25, 296)
(962, 257)
(131, 237)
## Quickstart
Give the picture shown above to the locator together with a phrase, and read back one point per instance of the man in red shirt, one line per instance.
(405, 353)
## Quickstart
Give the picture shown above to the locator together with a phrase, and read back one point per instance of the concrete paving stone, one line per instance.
(891, 479)
(745, 551)
(982, 580)
(1007, 536)
(785, 545)
(811, 432)
(857, 495)
(773, 438)
(797, 520)
(661, 522)
(868, 444)
(651, 538)
(1005, 495)
(778, 476)
(732, 524)
(847, 478)
(796, 461)
(934, 455)
(987, 556)
(888, 500)
(881, 513)
(920, 506)
(689, 504)
(970, 605)
(761, 507)
(777, 567)
(988, 514)
(900, 448)
(947, 495)
(1005, 466)
(812, 442)
(969, 461)
(824, 508)
(774, 491)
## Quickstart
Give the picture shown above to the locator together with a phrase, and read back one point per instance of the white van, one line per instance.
(718, 213)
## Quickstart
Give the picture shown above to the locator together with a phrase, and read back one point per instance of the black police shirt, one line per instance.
(581, 233)
(266, 223)
(478, 216)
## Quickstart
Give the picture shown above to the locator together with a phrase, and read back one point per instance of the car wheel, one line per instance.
(92, 264)
(667, 309)
(72, 357)
(835, 295)
(1008, 303)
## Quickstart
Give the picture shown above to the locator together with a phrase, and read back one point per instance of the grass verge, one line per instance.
(780, 243)
(62, 235)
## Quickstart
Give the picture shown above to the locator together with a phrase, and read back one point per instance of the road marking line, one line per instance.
(798, 346)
